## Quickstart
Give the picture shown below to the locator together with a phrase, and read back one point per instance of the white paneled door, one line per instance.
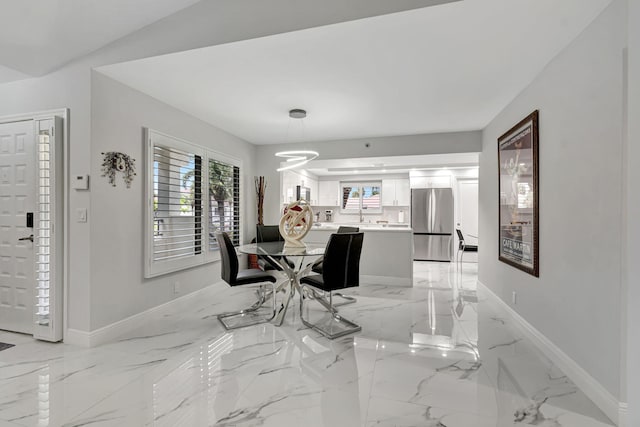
(17, 200)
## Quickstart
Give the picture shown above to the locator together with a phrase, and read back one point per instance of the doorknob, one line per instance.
(30, 238)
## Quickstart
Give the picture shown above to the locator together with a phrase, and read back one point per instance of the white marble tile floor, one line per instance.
(435, 355)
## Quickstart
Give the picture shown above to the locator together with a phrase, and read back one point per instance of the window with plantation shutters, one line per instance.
(191, 192)
(224, 201)
(177, 203)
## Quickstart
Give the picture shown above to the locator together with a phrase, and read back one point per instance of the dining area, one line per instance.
(286, 268)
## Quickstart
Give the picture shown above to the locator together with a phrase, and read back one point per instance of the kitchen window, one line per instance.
(192, 192)
(362, 197)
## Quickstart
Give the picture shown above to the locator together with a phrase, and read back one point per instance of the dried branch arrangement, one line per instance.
(261, 187)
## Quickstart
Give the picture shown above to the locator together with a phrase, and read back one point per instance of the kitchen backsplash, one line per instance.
(391, 214)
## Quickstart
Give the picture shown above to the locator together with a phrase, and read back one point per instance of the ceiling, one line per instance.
(451, 67)
(38, 36)
(391, 165)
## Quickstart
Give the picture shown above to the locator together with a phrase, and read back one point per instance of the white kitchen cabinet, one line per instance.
(431, 181)
(403, 192)
(291, 179)
(396, 192)
(289, 182)
(439, 181)
(313, 185)
(388, 192)
(328, 193)
(418, 181)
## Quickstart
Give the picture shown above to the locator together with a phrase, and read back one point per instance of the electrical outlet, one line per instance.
(176, 287)
(514, 298)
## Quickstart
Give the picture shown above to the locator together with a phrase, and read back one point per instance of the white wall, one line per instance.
(633, 213)
(119, 114)
(204, 24)
(576, 301)
(68, 87)
(437, 143)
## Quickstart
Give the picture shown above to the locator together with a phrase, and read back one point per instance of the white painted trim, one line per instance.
(77, 337)
(622, 414)
(152, 138)
(406, 282)
(589, 385)
(66, 209)
(117, 329)
(38, 115)
(63, 222)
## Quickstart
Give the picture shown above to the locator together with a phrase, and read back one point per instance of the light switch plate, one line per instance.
(81, 215)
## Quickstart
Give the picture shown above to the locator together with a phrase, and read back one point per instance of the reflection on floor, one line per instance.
(434, 355)
(4, 346)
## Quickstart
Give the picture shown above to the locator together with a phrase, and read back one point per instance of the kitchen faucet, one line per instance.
(361, 215)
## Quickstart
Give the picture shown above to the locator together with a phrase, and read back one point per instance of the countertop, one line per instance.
(398, 228)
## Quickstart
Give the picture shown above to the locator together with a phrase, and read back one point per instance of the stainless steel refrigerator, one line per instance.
(432, 223)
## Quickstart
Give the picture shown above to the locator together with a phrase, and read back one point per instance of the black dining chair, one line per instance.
(317, 267)
(341, 270)
(231, 274)
(268, 233)
(463, 246)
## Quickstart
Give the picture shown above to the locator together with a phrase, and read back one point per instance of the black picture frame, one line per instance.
(518, 196)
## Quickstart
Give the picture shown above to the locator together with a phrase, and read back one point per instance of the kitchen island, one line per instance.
(387, 252)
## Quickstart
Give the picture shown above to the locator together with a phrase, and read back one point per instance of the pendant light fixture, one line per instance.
(296, 158)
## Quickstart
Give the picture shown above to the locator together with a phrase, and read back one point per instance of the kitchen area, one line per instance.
(406, 206)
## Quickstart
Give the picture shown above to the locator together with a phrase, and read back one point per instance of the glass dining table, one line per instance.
(294, 262)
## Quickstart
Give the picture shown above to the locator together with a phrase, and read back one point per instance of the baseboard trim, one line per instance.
(589, 385)
(115, 330)
(622, 414)
(405, 282)
(77, 337)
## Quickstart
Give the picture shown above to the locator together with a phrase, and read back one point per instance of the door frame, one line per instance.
(59, 223)
(458, 181)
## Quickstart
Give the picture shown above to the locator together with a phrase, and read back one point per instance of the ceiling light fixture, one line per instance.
(296, 158)
(297, 113)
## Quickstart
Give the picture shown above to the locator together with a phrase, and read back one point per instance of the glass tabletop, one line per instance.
(278, 249)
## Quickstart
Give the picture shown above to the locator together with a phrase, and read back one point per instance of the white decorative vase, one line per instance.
(296, 223)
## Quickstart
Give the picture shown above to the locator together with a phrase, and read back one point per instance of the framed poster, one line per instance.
(518, 213)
